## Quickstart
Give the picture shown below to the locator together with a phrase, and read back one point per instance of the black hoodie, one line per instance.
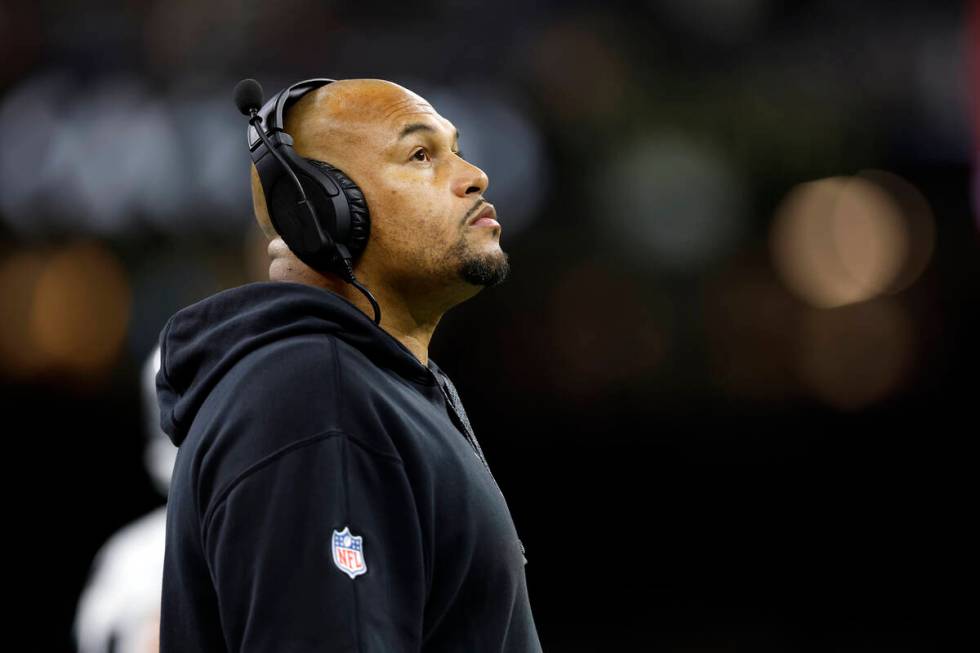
(328, 494)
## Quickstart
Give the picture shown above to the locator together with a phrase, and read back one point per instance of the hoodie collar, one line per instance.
(201, 342)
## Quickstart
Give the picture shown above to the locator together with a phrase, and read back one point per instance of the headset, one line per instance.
(332, 230)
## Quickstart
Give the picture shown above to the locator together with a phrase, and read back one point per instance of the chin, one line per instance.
(485, 270)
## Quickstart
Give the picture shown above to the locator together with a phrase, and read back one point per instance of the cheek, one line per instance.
(406, 214)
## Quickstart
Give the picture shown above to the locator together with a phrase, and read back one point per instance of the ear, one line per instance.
(259, 206)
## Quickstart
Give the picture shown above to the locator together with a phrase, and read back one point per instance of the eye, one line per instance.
(421, 151)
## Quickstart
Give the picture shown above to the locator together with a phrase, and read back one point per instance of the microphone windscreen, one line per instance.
(248, 96)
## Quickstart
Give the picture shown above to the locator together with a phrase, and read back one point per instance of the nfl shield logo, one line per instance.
(348, 552)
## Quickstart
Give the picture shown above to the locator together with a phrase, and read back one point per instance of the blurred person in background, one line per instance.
(119, 608)
(329, 492)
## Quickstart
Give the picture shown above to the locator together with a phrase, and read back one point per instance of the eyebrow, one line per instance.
(419, 126)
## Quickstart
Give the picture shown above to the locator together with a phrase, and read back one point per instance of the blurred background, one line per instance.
(738, 347)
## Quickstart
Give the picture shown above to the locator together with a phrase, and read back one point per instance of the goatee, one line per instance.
(486, 270)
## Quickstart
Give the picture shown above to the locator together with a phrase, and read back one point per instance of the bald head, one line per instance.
(327, 122)
(335, 122)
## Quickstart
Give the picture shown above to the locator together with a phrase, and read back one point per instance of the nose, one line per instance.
(470, 180)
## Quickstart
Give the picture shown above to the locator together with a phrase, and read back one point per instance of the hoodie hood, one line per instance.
(200, 343)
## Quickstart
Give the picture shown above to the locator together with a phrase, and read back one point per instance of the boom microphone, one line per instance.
(248, 96)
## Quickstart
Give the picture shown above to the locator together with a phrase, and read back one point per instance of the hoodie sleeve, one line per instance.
(318, 547)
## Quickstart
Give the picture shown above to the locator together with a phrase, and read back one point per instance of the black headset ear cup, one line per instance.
(360, 218)
(294, 227)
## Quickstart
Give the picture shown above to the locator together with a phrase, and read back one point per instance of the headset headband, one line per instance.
(273, 112)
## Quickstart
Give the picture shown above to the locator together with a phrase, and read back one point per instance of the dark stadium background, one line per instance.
(699, 455)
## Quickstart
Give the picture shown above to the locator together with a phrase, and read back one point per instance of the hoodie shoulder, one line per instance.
(293, 351)
(296, 388)
(288, 387)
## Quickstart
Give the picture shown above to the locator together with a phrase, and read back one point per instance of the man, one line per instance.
(329, 494)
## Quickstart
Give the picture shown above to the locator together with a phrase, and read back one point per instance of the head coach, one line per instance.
(329, 492)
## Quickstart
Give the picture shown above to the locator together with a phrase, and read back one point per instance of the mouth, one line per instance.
(485, 218)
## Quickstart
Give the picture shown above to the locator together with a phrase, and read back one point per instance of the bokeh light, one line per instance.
(80, 309)
(669, 202)
(19, 274)
(919, 224)
(853, 356)
(108, 157)
(839, 241)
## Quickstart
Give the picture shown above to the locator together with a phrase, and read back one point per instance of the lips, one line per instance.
(488, 213)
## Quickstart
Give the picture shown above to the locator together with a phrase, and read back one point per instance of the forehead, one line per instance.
(360, 116)
(413, 114)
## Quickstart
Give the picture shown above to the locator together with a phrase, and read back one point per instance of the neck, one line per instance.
(410, 320)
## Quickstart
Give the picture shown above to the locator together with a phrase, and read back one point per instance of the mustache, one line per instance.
(480, 202)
